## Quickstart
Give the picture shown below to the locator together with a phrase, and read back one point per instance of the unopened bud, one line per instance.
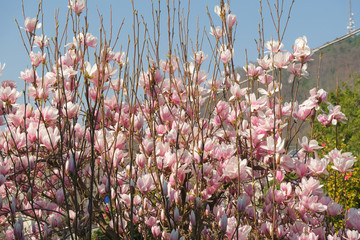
(224, 222)
(60, 196)
(192, 218)
(174, 235)
(176, 214)
(241, 203)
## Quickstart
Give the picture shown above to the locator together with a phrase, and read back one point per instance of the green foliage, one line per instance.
(343, 188)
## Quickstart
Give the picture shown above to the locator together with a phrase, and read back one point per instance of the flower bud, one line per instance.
(155, 230)
(174, 235)
(231, 20)
(241, 203)
(18, 230)
(176, 214)
(60, 196)
(279, 176)
(165, 188)
(224, 222)
(192, 218)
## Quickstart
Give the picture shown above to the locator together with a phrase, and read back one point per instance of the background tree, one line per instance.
(345, 137)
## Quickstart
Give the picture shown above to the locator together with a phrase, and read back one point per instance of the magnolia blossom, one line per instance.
(216, 32)
(37, 58)
(281, 60)
(225, 54)
(343, 163)
(254, 71)
(265, 62)
(145, 183)
(302, 52)
(199, 57)
(309, 146)
(87, 40)
(318, 166)
(9, 95)
(236, 169)
(297, 69)
(274, 46)
(31, 24)
(170, 65)
(231, 20)
(77, 6)
(221, 11)
(41, 41)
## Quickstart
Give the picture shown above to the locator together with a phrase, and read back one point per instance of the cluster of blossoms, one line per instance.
(175, 163)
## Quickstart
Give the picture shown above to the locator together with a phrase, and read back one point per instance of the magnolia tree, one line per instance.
(142, 148)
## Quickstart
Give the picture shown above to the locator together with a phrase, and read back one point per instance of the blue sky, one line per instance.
(320, 20)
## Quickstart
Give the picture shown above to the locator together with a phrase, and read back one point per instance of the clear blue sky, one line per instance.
(320, 20)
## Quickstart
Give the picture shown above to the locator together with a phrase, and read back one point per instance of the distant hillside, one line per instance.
(339, 61)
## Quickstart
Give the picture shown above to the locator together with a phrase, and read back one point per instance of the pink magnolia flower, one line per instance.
(70, 110)
(295, 69)
(265, 62)
(49, 137)
(31, 24)
(156, 231)
(48, 115)
(174, 235)
(253, 71)
(343, 163)
(9, 95)
(302, 112)
(281, 60)
(334, 208)
(41, 41)
(226, 54)
(8, 83)
(353, 219)
(336, 115)
(222, 109)
(333, 237)
(231, 20)
(318, 166)
(312, 203)
(38, 92)
(308, 186)
(270, 146)
(170, 65)
(199, 57)
(256, 104)
(237, 92)
(323, 119)
(222, 11)
(233, 168)
(352, 234)
(309, 146)
(87, 40)
(302, 52)
(37, 58)
(216, 32)
(274, 46)
(120, 58)
(60, 196)
(145, 183)
(77, 6)
(29, 75)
